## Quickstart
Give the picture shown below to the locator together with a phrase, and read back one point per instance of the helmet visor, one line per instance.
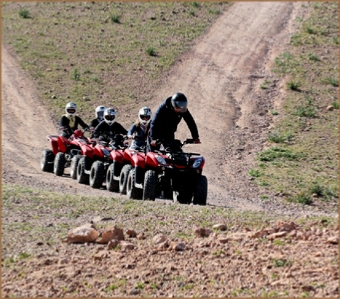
(110, 117)
(144, 117)
(180, 106)
(71, 110)
(100, 114)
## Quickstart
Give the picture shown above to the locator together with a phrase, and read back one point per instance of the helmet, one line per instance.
(180, 102)
(109, 115)
(71, 109)
(100, 112)
(144, 115)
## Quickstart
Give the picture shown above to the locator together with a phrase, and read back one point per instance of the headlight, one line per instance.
(160, 160)
(197, 163)
(105, 152)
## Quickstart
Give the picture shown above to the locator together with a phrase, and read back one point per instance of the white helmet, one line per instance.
(100, 112)
(109, 116)
(71, 109)
(144, 115)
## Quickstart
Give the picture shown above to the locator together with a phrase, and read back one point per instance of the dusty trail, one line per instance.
(221, 77)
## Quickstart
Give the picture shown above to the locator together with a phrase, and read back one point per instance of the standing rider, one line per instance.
(139, 130)
(70, 121)
(166, 119)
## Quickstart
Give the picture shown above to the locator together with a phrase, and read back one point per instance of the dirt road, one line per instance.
(221, 76)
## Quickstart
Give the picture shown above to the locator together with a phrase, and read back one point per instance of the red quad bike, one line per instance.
(176, 174)
(63, 151)
(132, 174)
(104, 160)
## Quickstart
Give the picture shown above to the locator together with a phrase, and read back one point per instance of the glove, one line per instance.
(197, 141)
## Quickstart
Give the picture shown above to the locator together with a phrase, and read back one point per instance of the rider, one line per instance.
(99, 112)
(166, 119)
(140, 128)
(109, 128)
(70, 121)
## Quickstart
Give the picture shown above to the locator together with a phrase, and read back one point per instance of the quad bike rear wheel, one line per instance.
(111, 184)
(97, 174)
(82, 177)
(132, 191)
(59, 164)
(201, 191)
(74, 165)
(124, 177)
(183, 197)
(150, 185)
(47, 160)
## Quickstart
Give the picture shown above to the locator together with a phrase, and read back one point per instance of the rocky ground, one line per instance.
(221, 77)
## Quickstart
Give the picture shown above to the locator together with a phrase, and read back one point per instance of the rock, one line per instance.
(141, 236)
(220, 226)
(125, 245)
(202, 232)
(159, 238)
(82, 234)
(131, 233)
(333, 240)
(112, 244)
(277, 235)
(111, 233)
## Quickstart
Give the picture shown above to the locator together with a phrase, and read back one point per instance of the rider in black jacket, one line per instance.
(107, 129)
(166, 119)
(70, 121)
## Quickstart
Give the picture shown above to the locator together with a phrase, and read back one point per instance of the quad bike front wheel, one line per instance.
(97, 174)
(150, 185)
(111, 184)
(123, 178)
(82, 177)
(132, 191)
(47, 160)
(74, 165)
(59, 164)
(201, 191)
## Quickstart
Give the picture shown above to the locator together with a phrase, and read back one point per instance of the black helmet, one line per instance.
(180, 102)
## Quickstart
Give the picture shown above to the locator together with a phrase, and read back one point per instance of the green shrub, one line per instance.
(303, 198)
(305, 111)
(115, 18)
(24, 13)
(335, 105)
(151, 51)
(276, 153)
(332, 81)
(279, 137)
(294, 85)
(254, 173)
(313, 57)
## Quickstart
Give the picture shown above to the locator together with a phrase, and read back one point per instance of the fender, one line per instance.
(62, 143)
(151, 161)
(117, 155)
(54, 143)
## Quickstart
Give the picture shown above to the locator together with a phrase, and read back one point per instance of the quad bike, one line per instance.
(132, 174)
(175, 174)
(103, 160)
(63, 151)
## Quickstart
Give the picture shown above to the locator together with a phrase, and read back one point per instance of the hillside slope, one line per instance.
(221, 77)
